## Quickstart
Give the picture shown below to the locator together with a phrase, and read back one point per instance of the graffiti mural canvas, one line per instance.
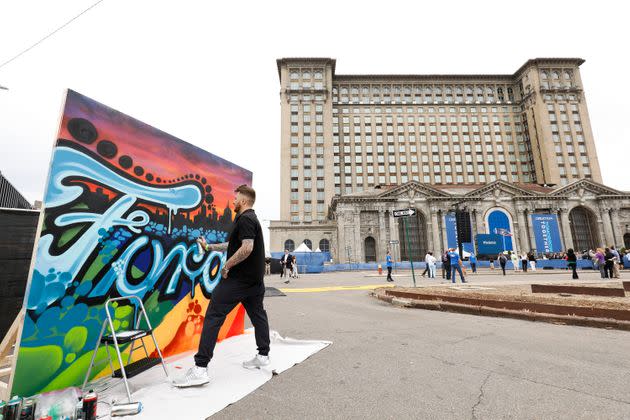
(123, 207)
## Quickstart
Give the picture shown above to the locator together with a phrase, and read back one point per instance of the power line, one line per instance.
(51, 34)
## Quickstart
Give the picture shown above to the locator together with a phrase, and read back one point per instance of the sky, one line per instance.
(206, 72)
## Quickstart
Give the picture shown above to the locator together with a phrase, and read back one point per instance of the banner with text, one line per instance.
(546, 232)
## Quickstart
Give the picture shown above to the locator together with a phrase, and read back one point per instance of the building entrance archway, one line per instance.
(584, 228)
(416, 246)
(370, 249)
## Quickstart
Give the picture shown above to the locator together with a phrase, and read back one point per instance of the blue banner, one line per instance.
(451, 234)
(546, 232)
(489, 244)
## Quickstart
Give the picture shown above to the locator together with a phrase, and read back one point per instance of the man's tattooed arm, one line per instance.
(243, 252)
(222, 247)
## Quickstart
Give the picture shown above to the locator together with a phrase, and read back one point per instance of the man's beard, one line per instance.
(237, 208)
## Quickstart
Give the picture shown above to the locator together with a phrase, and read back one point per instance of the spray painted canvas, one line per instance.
(123, 207)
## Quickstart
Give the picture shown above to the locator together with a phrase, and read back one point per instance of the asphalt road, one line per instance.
(390, 362)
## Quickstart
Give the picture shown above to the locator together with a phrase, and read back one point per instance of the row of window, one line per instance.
(324, 245)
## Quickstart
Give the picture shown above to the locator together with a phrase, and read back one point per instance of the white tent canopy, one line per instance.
(302, 248)
(318, 250)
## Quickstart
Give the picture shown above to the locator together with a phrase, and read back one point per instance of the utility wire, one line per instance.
(51, 34)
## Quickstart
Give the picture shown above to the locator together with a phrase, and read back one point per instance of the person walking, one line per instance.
(242, 281)
(514, 259)
(294, 267)
(600, 260)
(388, 262)
(283, 261)
(609, 263)
(456, 265)
(431, 260)
(426, 263)
(446, 265)
(289, 266)
(524, 262)
(572, 262)
(502, 261)
(616, 261)
(532, 261)
(473, 262)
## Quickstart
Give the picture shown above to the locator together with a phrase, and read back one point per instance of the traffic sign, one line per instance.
(404, 212)
(394, 242)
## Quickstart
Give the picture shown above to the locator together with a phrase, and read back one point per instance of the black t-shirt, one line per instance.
(252, 269)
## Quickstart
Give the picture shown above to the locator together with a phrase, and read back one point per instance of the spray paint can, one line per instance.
(46, 417)
(28, 410)
(3, 405)
(89, 405)
(200, 249)
(126, 409)
(12, 410)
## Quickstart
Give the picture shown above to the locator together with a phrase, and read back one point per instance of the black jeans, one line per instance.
(503, 267)
(446, 267)
(524, 265)
(389, 273)
(229, 293)
(574, 270)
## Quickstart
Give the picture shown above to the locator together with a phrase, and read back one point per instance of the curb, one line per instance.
(438, 305)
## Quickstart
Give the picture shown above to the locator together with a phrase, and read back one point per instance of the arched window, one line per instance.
(370, 249)
(583, 228)
(499, 222)
(308, 243)
(543, 75)
(510, 94)
(289, 244)
(324, 245)
(555, 75)
(416, 244)
(567, 75)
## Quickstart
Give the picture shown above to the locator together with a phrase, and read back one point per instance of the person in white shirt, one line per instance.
(430, 260)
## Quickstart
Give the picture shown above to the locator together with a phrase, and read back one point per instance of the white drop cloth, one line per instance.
(229, 381)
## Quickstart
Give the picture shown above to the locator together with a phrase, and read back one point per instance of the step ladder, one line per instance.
(121, 337)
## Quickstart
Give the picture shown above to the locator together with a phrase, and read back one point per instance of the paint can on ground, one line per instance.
(12, 409)
(89, 405)
(28, 410)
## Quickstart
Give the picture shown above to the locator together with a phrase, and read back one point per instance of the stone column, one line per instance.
(600, 227)
(342, 256)
(616, 227)
(382, 244)
(530, 231)
(523, 239)
(393, 235)
(481, 228)
(435, 232)
(442, 230)
(358, 243)
(565, 226)
(609, 237)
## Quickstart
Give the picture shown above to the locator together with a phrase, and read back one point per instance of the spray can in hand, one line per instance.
(13, 408)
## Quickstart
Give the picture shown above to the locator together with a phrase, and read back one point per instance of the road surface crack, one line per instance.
(480, 397)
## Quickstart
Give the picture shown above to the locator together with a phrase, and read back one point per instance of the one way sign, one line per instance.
(404, 212)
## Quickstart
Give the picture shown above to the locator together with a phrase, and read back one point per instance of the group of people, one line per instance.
(519, 262)
(607, 261)
(289, 266)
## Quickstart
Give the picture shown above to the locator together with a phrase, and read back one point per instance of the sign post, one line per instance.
(404, 213)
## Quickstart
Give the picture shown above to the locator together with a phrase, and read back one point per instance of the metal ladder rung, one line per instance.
(125, 337)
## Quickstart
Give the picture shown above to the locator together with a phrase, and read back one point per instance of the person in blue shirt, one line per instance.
(388, 260)
(455, 265)
(473, 262)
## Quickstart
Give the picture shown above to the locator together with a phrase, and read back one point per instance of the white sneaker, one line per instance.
(195, 376)
(257, 362)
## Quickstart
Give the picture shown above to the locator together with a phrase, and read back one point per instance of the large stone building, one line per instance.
(355, 147)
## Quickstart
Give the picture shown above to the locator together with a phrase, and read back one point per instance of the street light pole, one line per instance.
(413, 274)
